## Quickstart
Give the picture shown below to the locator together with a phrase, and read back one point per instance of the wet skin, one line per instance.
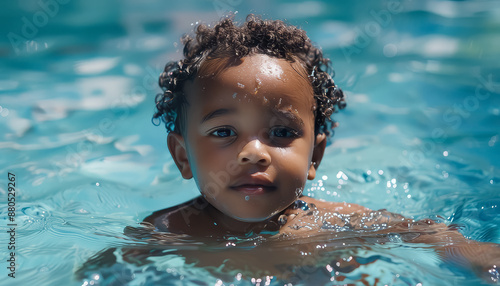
(248, 139)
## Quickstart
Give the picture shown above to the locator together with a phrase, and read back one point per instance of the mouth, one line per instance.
(250, 189)
(255, 185)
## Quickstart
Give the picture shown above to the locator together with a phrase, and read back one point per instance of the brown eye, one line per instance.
(223, 132)
(283, 132)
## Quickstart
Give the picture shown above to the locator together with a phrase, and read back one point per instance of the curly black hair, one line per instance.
(254, 36)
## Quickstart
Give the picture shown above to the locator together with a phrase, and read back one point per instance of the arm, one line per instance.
(483, 258)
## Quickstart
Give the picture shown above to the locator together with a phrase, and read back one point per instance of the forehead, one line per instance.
(258, 78)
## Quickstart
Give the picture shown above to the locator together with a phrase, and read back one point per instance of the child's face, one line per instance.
(249, 137)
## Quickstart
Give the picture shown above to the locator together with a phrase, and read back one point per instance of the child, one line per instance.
(248, 113)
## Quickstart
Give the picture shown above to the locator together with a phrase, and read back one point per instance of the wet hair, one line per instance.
(255, 36)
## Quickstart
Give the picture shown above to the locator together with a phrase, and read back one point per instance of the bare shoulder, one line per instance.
(338, 207)
(178, 218)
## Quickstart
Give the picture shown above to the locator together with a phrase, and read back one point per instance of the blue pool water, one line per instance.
(420, 136)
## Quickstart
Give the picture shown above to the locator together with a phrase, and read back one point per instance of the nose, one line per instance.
(254, 152)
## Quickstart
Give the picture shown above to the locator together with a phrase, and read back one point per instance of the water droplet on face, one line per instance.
(234, 94)
(259, 82)
(240, 85)
(247, 198)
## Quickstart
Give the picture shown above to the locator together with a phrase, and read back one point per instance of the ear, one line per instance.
(319, 150)
(177, 148)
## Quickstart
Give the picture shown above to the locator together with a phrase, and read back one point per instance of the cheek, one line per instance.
(295, 164)
(206, 159)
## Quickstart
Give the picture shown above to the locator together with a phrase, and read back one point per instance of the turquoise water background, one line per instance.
(420, 135)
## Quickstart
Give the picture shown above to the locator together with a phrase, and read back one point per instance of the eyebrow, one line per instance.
(280, 113)
(288, 115)
(217, 113)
